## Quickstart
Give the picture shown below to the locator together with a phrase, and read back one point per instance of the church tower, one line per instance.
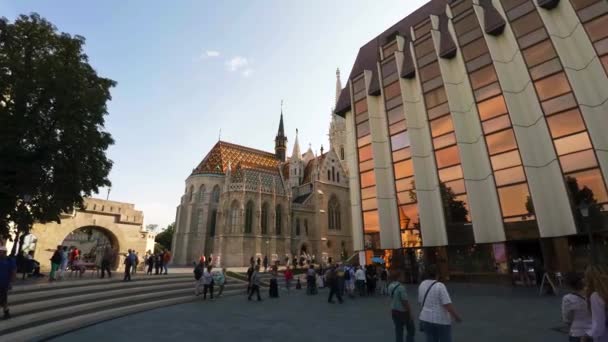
(280, 141)
(337, 128)
(296, 164)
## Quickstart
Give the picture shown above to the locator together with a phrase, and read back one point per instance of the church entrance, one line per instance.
(92, 242)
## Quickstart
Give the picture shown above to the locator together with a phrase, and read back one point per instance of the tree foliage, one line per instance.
(455, 210)
(52, 138)
(165, 237)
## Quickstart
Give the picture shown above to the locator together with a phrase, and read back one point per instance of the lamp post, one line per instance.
(584, 210)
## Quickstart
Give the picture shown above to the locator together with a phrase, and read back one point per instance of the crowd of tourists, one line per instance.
(208, 278)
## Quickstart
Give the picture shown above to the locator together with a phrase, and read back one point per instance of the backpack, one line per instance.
(198, 273)
(347, 274)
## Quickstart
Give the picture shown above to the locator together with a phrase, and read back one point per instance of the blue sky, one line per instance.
(185, 69)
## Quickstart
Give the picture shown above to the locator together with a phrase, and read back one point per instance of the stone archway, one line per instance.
(92, 241)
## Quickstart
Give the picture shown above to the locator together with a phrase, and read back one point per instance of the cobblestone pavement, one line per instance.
(491, 313)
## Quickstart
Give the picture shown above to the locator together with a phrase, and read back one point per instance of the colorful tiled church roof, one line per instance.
(224, 153)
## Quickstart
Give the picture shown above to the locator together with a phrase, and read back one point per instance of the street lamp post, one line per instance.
(584, 209)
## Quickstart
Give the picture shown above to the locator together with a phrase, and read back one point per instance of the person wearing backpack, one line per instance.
(436, 309)
(401, 312)
(574, 308)
(198, 276)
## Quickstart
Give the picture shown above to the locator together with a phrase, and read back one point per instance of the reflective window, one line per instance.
(392, 90)
(466, 24)
(505, 160)
(552, 86)
(450, 173)
(578, 161)
(513, 199)
(406, 197)
(369, 204)
(366, 166)
(398, 127)
(483, 77)
(487, 91)
(429, 72)
(368, 179)
(404, 184)
(361, 106)
(370, 221)
(435, 97)
(399, 141)
(596, 29)
(492, 107)
(539, 53)
(441, 126)
(402, 154)
(456, 186)
(363, 129)
(546, 69)
(408, 216)
(566, 123)
(572, 143)
(496, 124)
(404, 169)
(444, 140)
(474, 49)
(438, 111)
(447, 157)
(364, 140)
(395, 114)
(510, 176)
(559, 104)
(526, 24)
(501, 142)
(365, 153)
(592, 179)
(368, 192)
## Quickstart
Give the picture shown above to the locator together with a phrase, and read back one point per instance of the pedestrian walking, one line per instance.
(157, 263)
(219, 279)
(340, 271)
(311, 281)
(596, 280)
(401, 312)
(128, 264)
(55, 263)
(250, 271)
(259, 261)
(161, 262)
(166, 260)
(331, 278)
(383, 282)
(8, 274)
(349, 281)
(360, 281)
(149, 262)
(198, 277)
(575, 312)
(64, 261)
(207, 282)
(135, 263)
(436, 311)
(254, 283)
(107, 260)
(273, 289)
(288, 278)
(265, 263)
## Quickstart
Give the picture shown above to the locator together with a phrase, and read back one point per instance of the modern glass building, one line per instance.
(477, 131)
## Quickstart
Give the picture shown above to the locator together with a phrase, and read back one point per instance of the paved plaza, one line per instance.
(490, 313)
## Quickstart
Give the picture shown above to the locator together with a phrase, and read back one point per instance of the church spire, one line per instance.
(280, 141)
(338, 85)
(296, 148)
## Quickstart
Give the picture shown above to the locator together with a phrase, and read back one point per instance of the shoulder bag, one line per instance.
(421, 323)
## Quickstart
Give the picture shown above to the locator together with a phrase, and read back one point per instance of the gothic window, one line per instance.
(328, 175)
(342, 152)
(216, 194)
(265, 218)
(201, 193)
(212, 219)
(298, 227)
(333, 214)
(234, 216)
(306, 226)
(333, 173)
(249, 218)
(191, 193)
(278, 220)
(338, 176)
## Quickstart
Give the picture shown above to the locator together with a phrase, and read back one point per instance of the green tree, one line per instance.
(52, 138)
(455, 210)
(165, 237)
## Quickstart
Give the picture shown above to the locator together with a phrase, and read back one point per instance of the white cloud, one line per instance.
(212, 53)
(237, 63)
(247, 72)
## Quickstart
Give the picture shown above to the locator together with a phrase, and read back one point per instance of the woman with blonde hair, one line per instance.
(596, 280)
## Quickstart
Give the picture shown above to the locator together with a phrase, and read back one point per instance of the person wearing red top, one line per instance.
(288, 278)
(166, 259)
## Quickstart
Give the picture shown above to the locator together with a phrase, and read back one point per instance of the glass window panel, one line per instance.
(404, 184)
(521, 10)
(501, 142)
(578, 161)
(533, 38)
(456, 186)
(368, 179)
(361, 106)
(466, 24)
(364, 140)
(365, 153)
(592, 179)
(389, 49)
(404, 169)
(496, 124)
(605, 63)
(369, 204)
(438, 111)
(429, 72)
(424, 47)
(566, 123)
(447, 157)
(465, 201)
(552, 86)
(602, 47)
(572, 143)
(392, 103)
(487, 91)
(513, 199)
(398, 127)
(363, 129)
(483, 77)
(545, 69)
(450, 173)
(402, 154)
(470, 36)
(370, 221)
(408, 216)
(491, 108)
(359, 118)
(479, 62)
(359, 84)
(368, 192)
(597, 28)
(474, 49)
(432, 84)
(580, 4)
(395, 114)
(392, 91)
(444, 140)
(366, 165)
(435, 97)
(389, 67)
(539, 53)
(442, 126)
(510, 176)
(406, 197)
(399, 141)
(559, 104)
(526, 24)
(511, 4)
(505, 160)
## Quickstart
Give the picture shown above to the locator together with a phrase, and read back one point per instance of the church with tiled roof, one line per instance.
(240, 202)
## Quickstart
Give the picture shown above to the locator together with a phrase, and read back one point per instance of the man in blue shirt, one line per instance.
(8, 272)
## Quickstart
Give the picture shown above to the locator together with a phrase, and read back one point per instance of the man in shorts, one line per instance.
(8, 273)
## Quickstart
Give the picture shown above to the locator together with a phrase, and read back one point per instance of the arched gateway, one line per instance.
(98, 224)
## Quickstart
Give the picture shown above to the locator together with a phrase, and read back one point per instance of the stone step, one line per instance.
(54, 328)
(48, 313)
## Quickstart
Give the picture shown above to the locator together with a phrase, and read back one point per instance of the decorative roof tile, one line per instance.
(223, 153)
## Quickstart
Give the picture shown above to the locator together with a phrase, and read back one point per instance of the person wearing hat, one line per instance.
(8, 273)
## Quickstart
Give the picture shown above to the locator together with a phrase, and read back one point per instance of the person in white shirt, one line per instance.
(436, 311)
(575, 312)
(207, 282)
(360, 281)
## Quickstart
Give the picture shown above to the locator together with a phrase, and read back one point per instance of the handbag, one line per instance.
(421, 323)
